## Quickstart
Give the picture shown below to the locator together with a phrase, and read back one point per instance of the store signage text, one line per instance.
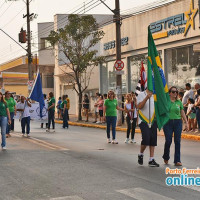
(183, 22)
(112, 44)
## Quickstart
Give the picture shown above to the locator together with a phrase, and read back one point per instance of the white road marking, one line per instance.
(67, 198)
(196, 188)
(142, 194)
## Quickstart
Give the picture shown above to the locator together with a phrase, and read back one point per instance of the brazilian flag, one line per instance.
(156, 83)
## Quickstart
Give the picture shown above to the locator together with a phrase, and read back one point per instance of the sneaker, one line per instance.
(178, 164)
(95, 122)
(132, 141)
(153, 163)
(114, 142)
(28, 136)
(23, 135)
(53, 130)
(108, 140)
(98, 122)
(126, 140)
(140, 159)
(4, 148)
(48, 130)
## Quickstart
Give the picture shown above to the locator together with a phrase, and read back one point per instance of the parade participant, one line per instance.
(174, 125)
(51, 112)
(64, 111)
(149, 133)
(110, 111)
(131, 117)
(59, 110)
(11, 104)
(4, 120)
(68, 106)
(24, 108)
(45, 102)
(86, 104)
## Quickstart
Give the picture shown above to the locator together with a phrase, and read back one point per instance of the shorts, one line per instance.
(149, 135)
(101, 113)
(192, 116)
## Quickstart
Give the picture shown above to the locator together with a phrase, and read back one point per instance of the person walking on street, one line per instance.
(59, 110)
(110, 111)
(100, 108)
(131, 117)
(64, 111)
(86, 104)
(24, 107)
(174, 125)
(4, 120)
(145, 105)
(11, 104)
(45, 102)
(51, 112)
(96, 107)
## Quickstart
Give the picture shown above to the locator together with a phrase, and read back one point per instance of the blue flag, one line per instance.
(37, 94)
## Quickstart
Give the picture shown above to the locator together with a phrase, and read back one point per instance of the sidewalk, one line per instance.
(73, 122)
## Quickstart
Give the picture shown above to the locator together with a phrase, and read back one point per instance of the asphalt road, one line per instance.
(77, 164)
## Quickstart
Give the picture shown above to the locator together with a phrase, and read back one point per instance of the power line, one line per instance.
(6, 9)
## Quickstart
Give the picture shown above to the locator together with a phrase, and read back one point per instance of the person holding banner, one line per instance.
(24, 108)
(149, 134)
(51, 112)
(4, 120)
(64, 111)
(174, 125)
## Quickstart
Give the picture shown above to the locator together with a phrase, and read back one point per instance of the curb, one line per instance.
(184, 136)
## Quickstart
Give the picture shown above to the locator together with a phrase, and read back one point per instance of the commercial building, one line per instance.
(176, 29)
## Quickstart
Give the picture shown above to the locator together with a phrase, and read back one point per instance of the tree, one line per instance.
(77, 42)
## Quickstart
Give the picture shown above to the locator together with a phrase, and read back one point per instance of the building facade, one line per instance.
(176, 30)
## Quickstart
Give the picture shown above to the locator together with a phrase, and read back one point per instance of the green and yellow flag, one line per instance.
(156, 83)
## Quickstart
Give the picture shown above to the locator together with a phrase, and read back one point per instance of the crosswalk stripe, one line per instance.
(142, 194)
(67, 198)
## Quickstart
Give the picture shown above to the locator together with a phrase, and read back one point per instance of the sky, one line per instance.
(11, 18)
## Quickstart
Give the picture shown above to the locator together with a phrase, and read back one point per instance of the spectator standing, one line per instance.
(191, 113)
(100, 108)
(4, 120)
(149, 134)
(174, 125)
(24, 108)
(59, 110)
(86, 104)
(68, 106)
(197, 106)
(110, 111)
(96, 107)
(64, 111)
(196, 96)
(131, 117)
(51, 112)
(11, 104)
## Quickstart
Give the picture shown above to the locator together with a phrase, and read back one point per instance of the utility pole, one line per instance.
(117, 20)
(30, 72)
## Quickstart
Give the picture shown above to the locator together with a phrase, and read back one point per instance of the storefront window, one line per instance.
(183, 66)
(108, 78)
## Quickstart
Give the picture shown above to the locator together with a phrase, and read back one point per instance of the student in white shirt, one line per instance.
(24, 107)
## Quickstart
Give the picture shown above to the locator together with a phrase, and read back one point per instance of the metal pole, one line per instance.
(30, 73)
(118, 57)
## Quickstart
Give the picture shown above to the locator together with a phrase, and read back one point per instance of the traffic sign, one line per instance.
(119, 65)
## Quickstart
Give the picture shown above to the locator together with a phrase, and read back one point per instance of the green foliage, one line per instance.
(76, 40)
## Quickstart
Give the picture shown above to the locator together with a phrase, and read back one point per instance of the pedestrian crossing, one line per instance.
(143, 194)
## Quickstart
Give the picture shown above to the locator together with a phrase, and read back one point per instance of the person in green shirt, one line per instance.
(110, 111)
(174, 125)
(64, 111)
(51, 112)
(11, 104)
(4, 120)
